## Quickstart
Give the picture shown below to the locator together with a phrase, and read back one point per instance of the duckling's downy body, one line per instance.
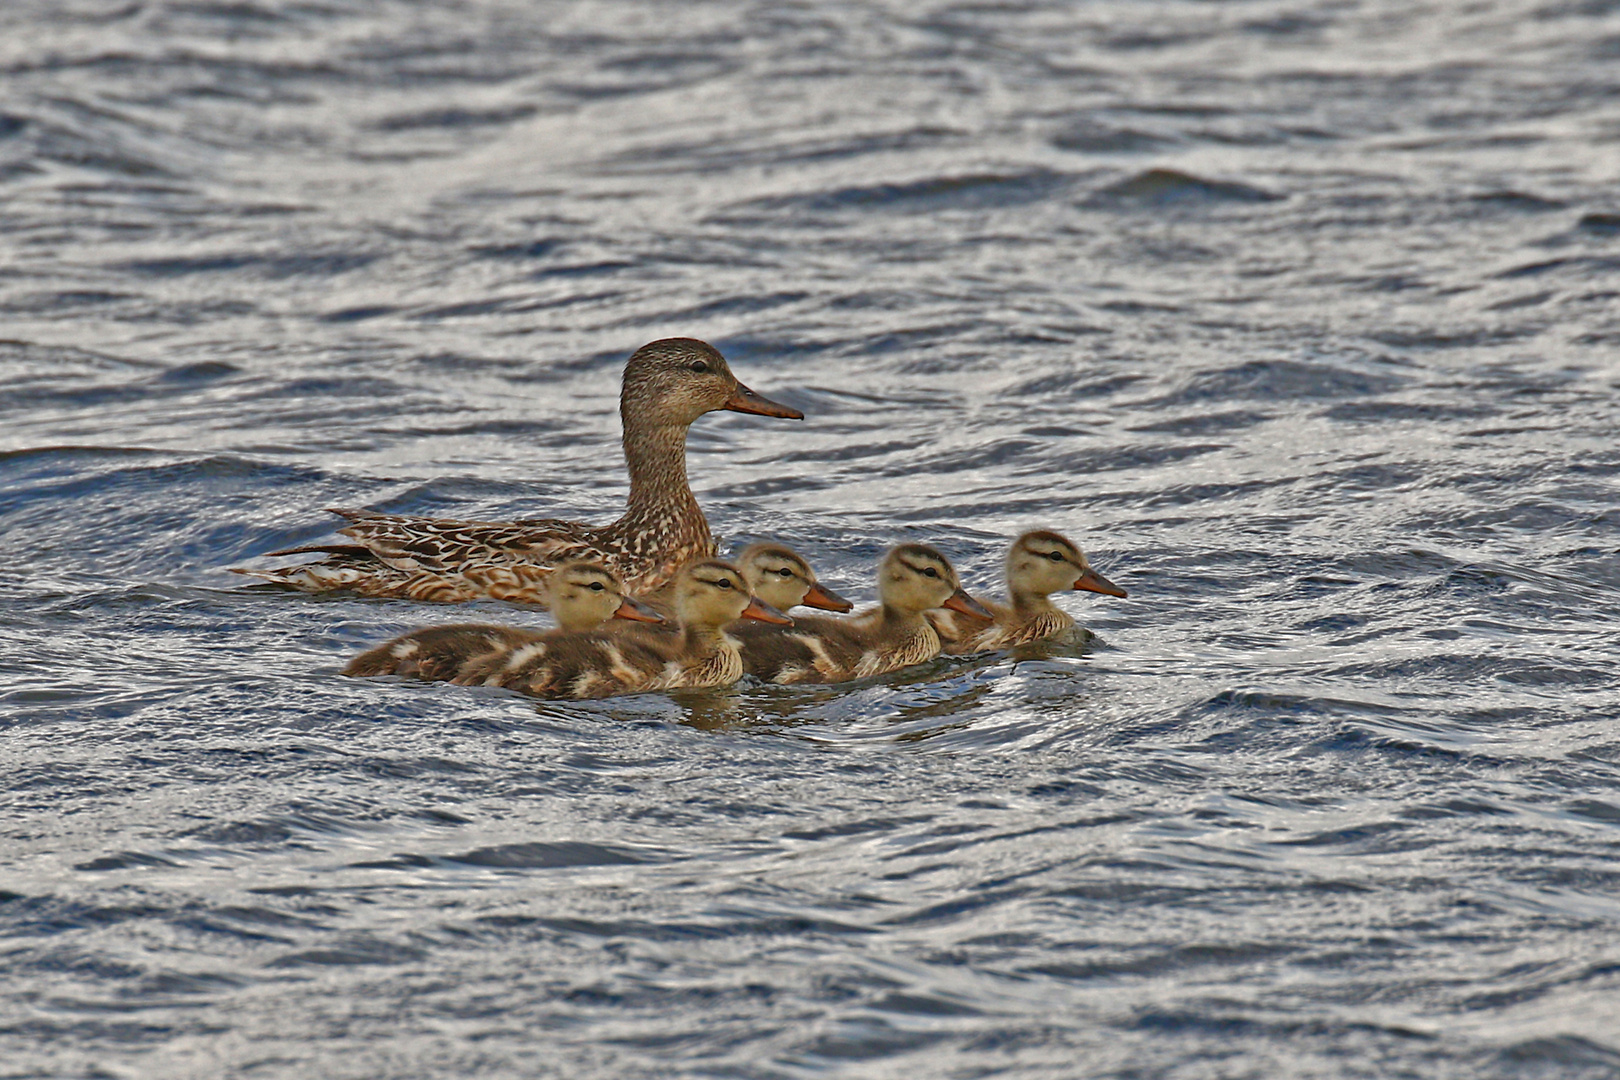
(1039, 563)
(776, 574)
(912, 579)
(601, 663)
(582, 596)
(667, 385)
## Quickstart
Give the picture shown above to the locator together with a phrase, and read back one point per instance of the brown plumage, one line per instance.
(1039, 563)
(776, 574)
(601, 663)
(667, 385)
(582, 596)
(912, 579)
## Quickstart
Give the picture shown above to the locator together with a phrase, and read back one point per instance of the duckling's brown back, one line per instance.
(815, 648)
(439, 652)
(592, 664)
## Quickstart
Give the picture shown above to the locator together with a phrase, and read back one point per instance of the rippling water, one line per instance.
(1299, 316)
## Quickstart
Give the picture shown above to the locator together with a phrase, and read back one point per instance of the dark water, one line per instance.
(1300, 317)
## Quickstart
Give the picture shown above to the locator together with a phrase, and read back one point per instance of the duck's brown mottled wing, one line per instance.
(439, 545)
(447, 560)
(440, 559)
(359, 572)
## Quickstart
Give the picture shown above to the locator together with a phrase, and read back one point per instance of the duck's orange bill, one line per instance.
(1091, 581)
(961, 601)
(745, 400)
(759, 609)
(827, 599)
(636, 611)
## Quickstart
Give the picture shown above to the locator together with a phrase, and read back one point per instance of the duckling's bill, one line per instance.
(636, 611)
(820, 596)
(961, 601)
(1091, 581)
(760, 611)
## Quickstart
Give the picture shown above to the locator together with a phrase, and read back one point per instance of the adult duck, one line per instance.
(912, 579)
(582, 596)
(776, 574)
(698, 653)
(667, 385)
(1039, 563)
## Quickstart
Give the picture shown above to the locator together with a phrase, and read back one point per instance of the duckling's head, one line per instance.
(677, 380)
(916, 577)
(1042, 562)
(781, 578)
(710, 593)
(584, 595)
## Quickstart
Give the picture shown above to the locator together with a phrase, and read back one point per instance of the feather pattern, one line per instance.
(667, 385)
(589, 663)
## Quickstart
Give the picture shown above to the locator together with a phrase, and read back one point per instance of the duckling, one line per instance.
(582, 596)
(912, 579)
(776, 574)
(1038, 563)
(667, 385)
(598, 663)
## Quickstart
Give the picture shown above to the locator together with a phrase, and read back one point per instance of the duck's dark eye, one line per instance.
(785, 572)
(723, 583)
(930, 572)
(1055, 556)
(597, 586)
(699, 366)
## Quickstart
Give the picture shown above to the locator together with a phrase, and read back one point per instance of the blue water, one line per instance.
(1299, 316)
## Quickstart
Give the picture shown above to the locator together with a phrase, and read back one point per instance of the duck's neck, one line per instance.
(698, 642)
(661, 503)
(896, 620)
(1026, 607)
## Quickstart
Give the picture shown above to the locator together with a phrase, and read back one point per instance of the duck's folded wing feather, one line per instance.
(448, 544)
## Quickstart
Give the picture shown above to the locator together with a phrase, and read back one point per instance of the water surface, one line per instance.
(1299, 317)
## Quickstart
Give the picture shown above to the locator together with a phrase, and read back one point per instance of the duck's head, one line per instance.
(916, 577)
(780, 577)
(584, 595)
(677, 380)
(710, 593)
(1042, 562)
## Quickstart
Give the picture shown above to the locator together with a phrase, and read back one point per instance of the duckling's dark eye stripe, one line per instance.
(920, 570)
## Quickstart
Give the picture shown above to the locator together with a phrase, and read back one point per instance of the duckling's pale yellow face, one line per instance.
(781, 578)
(775, 575)
(583, 595)
(1043, 562)
(712, 593)
(677, 380)
(915, 578)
